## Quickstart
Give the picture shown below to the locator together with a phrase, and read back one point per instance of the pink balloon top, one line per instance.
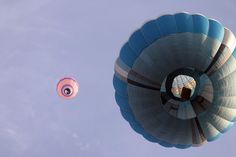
(67, 88)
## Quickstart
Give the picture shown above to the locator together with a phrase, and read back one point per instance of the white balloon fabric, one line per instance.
(173, 57)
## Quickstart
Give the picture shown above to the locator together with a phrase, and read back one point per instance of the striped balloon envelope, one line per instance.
(175, 80)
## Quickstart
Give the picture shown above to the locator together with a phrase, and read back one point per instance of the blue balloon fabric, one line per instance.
(175, 80)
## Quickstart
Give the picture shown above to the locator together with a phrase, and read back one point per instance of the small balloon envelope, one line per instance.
(67, 88)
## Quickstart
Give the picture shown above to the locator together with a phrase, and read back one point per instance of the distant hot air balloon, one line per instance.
(67, 88)
(175, 80)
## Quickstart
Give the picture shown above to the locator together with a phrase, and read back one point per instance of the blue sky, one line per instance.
(43, 41)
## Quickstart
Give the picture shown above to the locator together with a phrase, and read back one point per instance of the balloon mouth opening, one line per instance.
(182, 84)
(183, 87)
(67, 90)
(186, 93)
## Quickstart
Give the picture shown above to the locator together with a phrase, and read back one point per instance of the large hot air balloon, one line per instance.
(175, 80)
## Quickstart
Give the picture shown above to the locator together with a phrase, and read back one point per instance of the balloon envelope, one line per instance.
(194, 49)
(67, 88)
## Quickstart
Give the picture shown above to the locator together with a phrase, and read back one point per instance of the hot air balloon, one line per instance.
(67, 88)
(175, 80)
